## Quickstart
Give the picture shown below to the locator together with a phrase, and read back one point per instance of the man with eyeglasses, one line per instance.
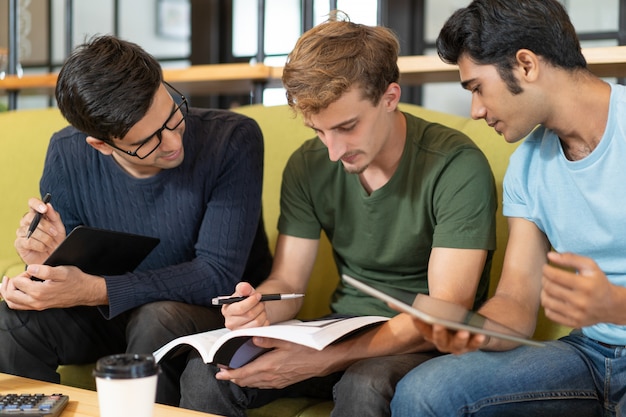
(135, 159)
(145, 147)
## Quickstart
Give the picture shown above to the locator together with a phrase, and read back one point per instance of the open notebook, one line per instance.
(451, 315)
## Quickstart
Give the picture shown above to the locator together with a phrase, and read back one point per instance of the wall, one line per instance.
(167, 39)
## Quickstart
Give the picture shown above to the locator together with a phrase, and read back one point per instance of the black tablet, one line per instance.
(453, 316)
(102, 252)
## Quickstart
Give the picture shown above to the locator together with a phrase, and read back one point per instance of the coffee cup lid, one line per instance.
(126, 365)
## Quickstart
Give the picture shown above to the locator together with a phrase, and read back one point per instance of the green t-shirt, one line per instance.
(441, 195)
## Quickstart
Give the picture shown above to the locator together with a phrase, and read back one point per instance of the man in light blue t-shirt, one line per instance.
(564, 197)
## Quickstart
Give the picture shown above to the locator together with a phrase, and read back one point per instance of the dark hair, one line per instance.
(491, 32)
(106, 86)
(335, 56)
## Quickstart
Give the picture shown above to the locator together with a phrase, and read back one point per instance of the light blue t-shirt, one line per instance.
(579, 205)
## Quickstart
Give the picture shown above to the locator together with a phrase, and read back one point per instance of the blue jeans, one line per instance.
(574, 376)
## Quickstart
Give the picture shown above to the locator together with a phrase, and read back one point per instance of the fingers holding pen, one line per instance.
(40, 231)
(40, 210)
(41, 217)
(247, 313)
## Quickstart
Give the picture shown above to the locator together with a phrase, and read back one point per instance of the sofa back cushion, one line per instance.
(24, 137)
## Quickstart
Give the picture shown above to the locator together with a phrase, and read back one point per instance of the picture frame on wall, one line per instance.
(173, 19)
(33, 32)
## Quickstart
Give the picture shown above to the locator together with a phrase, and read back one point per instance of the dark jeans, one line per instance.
(364, 389)
(34, 343)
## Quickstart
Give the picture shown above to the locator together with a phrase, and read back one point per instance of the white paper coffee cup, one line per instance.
(126, 385)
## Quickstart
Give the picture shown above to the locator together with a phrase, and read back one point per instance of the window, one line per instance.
(286, 15)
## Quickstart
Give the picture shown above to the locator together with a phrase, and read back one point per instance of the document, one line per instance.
(234, 348)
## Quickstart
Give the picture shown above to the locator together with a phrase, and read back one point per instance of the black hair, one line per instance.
(106, 86)
(490, 32)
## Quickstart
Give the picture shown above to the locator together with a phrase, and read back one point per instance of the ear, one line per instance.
(528, 64)
(99, 145)
(391, 96)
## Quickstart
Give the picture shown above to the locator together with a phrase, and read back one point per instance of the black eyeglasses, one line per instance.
(152, 142)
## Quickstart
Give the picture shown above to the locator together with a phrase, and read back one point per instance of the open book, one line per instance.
(234, 348)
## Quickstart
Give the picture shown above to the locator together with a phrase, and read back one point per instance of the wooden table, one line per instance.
(83, 403)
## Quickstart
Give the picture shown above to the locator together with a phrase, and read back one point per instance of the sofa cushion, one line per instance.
(24, 138)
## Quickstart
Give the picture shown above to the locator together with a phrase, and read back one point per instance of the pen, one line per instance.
(225, 299)
(37, 218)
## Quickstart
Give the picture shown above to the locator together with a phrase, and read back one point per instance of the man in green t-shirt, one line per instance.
(406, 204)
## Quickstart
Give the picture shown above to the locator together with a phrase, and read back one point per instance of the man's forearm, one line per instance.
(396, 336)
(511, 314)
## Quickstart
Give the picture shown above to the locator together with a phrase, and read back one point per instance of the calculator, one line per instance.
(32, 405)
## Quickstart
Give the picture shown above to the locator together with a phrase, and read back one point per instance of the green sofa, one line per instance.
(24, 136)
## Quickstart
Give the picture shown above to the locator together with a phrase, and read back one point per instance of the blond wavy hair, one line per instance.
(335, 56)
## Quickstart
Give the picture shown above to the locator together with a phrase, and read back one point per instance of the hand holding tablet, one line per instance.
(450, 315)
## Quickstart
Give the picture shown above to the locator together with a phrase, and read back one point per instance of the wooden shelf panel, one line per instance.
(414, 70)
(607, 61)
(34, 84)
(218, 78)
(241, 78)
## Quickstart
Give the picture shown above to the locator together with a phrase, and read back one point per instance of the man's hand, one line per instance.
(451, 341)
(57, 287)
(247, 313)
(576, 293)
(447, 340)
(285, 365)
(49, 233)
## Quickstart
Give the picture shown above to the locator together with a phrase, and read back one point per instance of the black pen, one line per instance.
(225, 299)
(37, 218)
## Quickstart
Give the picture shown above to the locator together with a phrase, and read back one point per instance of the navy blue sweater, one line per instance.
(207, 211)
